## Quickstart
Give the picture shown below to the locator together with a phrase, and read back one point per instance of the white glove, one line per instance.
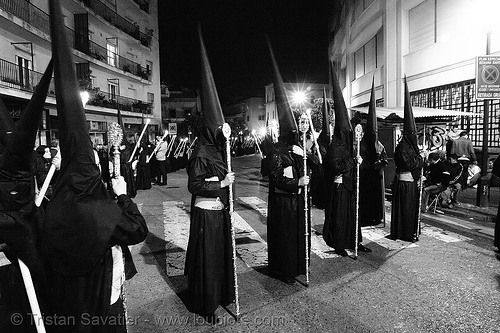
(56, 160)
(134, 164)
(297, 150)
(119, 185)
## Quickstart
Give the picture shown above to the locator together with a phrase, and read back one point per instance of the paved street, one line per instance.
(449, 281)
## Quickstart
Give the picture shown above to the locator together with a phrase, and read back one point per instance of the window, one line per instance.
(369, 57)
(112, 51)
(151, 97)
(113, 90)
(172, 113)
(24, 66)
(422, 25)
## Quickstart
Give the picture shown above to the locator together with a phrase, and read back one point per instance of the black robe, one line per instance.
(19, 229)
(319, 188)
(286, 217)
(371, 186)
(209, 264)
(340, 224)
(143, 179)
(126, 170)
(83, 291)
(406, 195)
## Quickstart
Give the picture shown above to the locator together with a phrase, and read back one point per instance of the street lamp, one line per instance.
(85, 96)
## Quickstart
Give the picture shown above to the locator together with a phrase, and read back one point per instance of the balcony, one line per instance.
(14, 77)
(110, 101)
(28, 13)
(96, 51)
(39, 19)
(22, 79)
(121, 23)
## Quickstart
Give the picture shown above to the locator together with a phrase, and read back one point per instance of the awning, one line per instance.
(397, 113)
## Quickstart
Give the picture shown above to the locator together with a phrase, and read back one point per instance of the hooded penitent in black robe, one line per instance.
(209, 256)
(319, 188)
(286, 217)
(209, 263)
(371, 185)
(143, 178)
(84, 227)
(405, 202)
(19, 217)
(339, 228)
(405, 192)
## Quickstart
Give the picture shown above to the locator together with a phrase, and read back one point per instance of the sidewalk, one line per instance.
(467, 209)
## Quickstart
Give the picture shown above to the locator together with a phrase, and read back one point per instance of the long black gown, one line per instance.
(79, 260)
(126, 170)
(286, 217)
(209, 263)
(143, 178)
(339, 228)
(371, 186)
(406, 198)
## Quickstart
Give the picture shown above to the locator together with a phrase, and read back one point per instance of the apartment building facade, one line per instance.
(116, 54)
(434, 43)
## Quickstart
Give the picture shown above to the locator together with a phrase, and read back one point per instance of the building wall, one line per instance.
(136, 33)
(434, 43)
(251, 110)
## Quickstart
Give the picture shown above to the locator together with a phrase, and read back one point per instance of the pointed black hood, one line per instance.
(288, 130)
(18, 152)
(213, 118)
(325, 135)
(81, 215)
(342, 129)
(409, 126)
(17, 188)
(370, 136)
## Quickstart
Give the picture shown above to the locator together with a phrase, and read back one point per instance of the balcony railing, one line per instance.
(28, 13)
(100, 53)
(24, 79)
(107, 100)
(39, 19)
(121, 23)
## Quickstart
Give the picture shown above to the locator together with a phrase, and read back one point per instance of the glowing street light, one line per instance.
(85, 96)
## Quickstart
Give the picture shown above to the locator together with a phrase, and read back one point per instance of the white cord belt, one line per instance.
(208, 203)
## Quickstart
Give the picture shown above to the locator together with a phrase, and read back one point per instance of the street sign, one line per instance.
(172, 128)
(488, 77)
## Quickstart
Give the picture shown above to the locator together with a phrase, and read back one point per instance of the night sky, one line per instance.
(234, 34)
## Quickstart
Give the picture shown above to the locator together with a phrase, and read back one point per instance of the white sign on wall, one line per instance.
(172, 128)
